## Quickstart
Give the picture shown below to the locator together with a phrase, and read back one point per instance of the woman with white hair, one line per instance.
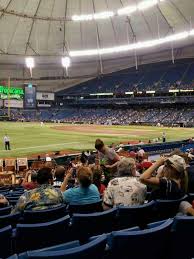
(125, 189)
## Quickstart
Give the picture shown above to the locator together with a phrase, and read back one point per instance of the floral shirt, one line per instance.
(43, 197)
(125, 191)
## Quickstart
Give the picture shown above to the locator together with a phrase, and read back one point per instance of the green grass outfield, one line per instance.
(30, 138)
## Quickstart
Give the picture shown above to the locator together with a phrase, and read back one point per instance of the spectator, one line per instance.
(106, 155)
(3, 201)
(85, 193)
(97, 177)
(173, 184)
(91, 158)
(186, 208)
(125, 189)
(43, 197)
(59, 176)
(30, 185)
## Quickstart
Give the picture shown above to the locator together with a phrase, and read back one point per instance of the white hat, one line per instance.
(178, 163)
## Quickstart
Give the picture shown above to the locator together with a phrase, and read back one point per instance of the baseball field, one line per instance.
(30, 139)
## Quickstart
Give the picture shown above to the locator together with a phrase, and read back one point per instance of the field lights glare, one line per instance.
(134, 46)
(30, 64)
(66, 62)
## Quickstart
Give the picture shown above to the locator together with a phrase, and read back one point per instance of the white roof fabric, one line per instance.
(44, 29)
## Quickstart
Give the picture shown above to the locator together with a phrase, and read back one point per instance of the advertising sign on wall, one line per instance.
(45, 96)
(12, 93)
(14, 103)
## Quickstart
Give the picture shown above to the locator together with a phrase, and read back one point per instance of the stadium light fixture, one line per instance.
(143, 5)
(127, 10)
(66, 62)
(134, 46)
(146, 4)
(96, 16)
(30, 64)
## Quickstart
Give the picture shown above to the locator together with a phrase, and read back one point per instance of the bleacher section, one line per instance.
(160, 76)
(167, 116)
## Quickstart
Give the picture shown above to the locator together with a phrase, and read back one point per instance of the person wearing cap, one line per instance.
(186, 208)
(45, 196)
(174, 181)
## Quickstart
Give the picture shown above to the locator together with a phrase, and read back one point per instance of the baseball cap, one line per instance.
(177, 162)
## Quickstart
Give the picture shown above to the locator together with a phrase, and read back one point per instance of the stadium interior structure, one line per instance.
(97, 118)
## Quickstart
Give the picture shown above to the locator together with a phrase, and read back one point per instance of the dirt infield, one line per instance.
(102, 129)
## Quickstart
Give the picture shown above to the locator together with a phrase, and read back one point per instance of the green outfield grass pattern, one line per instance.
(30, 138)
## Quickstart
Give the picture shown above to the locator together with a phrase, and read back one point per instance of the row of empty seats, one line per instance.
(39, 229)
(170, 239)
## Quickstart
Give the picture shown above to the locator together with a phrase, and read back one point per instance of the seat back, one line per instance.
(135, 215)
(11, 219)
(182, 237)
(168, 208)
(5, 241)
(10, 164)
(87, 225)
(87, 208)
(1, 165)
(94, 249)
(35, 236)
(137, 244)
(40, 216)
(6, 178)
(22, 164)
(5, 211)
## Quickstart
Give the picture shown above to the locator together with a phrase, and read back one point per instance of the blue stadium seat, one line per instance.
(94, 249)
(40, 216)
(168, 208)
(190, 197)
(87, 225)
(35, 236)
(13, 201)
(5, 242)
(182, 238)
(151, 243)
(139, 215)
(5, 210)
(11, 219)
(86, 208)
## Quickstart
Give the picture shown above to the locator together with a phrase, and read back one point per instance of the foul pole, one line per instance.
(8, 97)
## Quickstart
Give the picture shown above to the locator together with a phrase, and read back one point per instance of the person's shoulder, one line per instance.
(93, 187)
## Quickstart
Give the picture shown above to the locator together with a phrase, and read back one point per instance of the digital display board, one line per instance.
(11, 92)
(30, 97)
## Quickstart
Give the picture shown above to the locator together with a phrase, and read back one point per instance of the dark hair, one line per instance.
(99, 144)
(97, 174)
(44, 175)
(83, 159)
(33, 176)
(84, 176)
(59, 173)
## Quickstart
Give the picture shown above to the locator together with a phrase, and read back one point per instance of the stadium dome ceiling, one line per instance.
(47, 30)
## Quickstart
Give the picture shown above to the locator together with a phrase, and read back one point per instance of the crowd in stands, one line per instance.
(106, 180)
(154, 116)
(159, 77)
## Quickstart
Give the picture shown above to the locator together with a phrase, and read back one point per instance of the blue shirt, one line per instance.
(81, 196)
